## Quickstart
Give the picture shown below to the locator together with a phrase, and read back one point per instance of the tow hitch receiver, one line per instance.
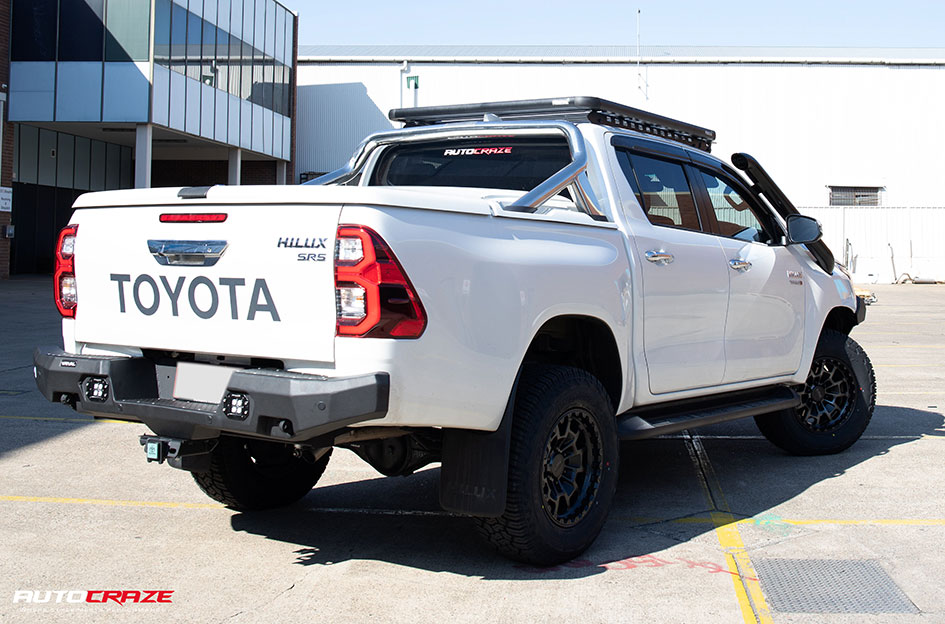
(192, 455)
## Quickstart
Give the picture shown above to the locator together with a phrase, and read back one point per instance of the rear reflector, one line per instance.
(206, 217)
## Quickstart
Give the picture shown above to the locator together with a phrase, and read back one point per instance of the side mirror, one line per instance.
(802, 230)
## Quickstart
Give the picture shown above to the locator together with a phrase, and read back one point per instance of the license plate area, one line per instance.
(204, 383)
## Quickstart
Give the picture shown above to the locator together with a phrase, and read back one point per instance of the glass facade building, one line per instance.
(220, 69)
(107, 94)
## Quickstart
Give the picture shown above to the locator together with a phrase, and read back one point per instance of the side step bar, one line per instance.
(653, 420)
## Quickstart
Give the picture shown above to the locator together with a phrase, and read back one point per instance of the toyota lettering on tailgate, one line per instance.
(232, 289)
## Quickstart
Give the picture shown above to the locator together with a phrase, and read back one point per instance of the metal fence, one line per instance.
(881, 244)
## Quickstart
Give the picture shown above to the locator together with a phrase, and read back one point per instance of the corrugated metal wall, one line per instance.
(883, 238)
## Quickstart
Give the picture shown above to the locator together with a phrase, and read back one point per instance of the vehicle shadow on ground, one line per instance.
(660, 503)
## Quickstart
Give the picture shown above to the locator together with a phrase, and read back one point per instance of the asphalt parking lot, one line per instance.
(716, 526)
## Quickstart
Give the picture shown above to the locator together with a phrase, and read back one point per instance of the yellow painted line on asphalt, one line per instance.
(751, 600)
(77, 420)
(108, 502)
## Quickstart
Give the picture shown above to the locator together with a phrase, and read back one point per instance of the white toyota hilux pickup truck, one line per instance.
(507, 288)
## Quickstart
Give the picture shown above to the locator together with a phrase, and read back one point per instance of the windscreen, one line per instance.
(498, 162)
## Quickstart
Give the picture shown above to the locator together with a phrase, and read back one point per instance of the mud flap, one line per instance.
(475, 470)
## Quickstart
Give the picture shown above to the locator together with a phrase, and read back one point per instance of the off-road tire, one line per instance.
(837, 401)
(252, 475)
(563, 432)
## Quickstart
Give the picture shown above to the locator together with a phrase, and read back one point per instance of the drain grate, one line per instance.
(830, 586)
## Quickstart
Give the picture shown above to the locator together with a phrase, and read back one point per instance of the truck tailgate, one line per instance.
(260, 283)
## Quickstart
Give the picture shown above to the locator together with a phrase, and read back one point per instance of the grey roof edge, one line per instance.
(617, 54)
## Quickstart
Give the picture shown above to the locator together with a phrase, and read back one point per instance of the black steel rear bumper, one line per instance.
(285, 406)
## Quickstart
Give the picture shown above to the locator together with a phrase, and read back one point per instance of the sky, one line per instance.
(835, 23)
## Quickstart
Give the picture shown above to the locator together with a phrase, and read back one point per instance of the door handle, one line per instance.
(739, 265)
(187, 252)
(659, 257)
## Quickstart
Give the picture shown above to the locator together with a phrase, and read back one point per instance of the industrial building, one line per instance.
(853, 136)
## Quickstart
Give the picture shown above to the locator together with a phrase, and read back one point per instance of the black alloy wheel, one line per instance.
(837, 401)
(563, 464)
(573, 464)
(828, 396)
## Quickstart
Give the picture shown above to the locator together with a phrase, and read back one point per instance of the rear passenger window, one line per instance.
(663, 190)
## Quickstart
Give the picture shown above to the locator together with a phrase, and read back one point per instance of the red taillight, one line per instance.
(64, 277)
(373, 297)
(206, 217)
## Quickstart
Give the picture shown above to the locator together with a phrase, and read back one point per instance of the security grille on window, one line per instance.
(856, 195)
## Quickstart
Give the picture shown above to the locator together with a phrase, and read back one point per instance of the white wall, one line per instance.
(811, 126)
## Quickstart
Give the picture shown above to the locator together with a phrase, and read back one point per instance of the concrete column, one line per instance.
(236, 166)
(143, 134)
(280, 172)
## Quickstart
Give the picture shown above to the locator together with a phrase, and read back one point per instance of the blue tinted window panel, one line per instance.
(79, 92)
(127, 25)
(65, 160)
(112, 166)
(178, 100)
(208, 102)
(260, 25)
(280, 34)
(34, 38)
(83, 162)
(210, 11)
(194, 37)
(287, 139)
(32, 91)
(160, 95)
(249, 17)
(208, 69)
(126, 92)
(220, 129)
(289, 31)
(246, 124)
(162, 32)
(47, 158)
(196, 7)
(236, 18)
(277, 136)
(223, 15)
(81, 30)
(267, 131)
(97, 166)
(28, 154)
(192, 117)
(234, 72)
(258, 117)
(270, 48)
(233, 120)
(179, 39)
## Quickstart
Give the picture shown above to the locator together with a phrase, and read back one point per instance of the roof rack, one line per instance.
(575, 109)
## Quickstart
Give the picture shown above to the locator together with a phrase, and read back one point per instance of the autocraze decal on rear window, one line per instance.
(518, 163)
(477, 151)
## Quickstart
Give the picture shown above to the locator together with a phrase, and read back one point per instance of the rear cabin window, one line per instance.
(510, 163)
